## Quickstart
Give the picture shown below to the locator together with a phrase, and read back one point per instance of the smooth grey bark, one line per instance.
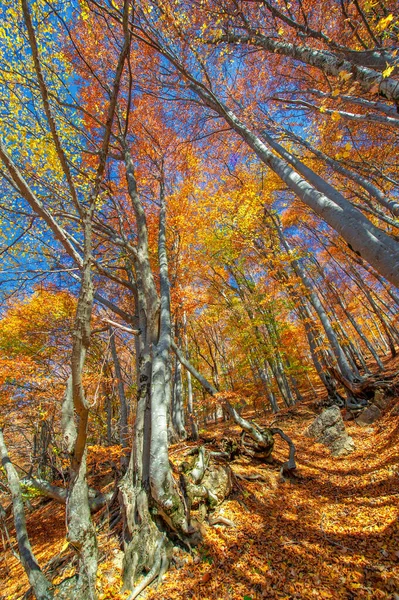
(307, 317)
(108, 415)
(177, 402)
(362, 118)
(163, 487)
(353, 355)
(388, 333)
(148, 482)
(367, 185)
(80, 529)
(357, 328)
(379, 339)
(368, 104)
(328, 62)
(264, 376)
(190, 404)
(39, 582)
(283, 386)
(140, 533)
(190, 408)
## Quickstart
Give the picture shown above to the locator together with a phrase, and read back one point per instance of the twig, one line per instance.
(123, 327)
(221, 520)
(332, 541)
(256, 477)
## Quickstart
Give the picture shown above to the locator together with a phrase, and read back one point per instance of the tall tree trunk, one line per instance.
(177, 402)
(190, 404)
(372, 243)
(149, 482)
(80, 529)
(163, 487)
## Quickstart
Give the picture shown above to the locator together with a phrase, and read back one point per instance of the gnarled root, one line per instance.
(205, 483)
(141, 535)
(155, 571)
(289, 466)
(261, 448)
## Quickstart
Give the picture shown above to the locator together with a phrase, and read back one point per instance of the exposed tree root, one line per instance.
(154, 572)
(365, 388)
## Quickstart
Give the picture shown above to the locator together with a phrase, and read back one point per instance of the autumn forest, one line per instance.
(199, 295)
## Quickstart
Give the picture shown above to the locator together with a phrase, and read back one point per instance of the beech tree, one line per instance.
(146, 151)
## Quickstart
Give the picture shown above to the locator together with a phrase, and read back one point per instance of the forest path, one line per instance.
(333, 534)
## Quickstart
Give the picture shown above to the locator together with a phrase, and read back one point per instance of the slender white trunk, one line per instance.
(39, 582)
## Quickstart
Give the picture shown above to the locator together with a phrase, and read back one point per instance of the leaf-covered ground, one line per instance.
(332, 534)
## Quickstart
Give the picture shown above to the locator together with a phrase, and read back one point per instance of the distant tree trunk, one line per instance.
(108, 413)
(358, 330)
(266, 380)
(391, 335)
(319, 308)
(177, 396)
(123, 406)
(177, 402)
(190, 408)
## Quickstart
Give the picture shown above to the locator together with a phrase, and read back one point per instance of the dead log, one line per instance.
(364, 388)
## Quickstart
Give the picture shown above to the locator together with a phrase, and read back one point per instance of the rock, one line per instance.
(369, 415)
(218, 481)
(347, 415)
(381, 398)
(329, 429)
(395, 411)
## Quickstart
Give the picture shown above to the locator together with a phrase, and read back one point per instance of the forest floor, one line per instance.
(333, 533)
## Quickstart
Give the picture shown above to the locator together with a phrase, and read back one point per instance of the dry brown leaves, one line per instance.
(333, 534)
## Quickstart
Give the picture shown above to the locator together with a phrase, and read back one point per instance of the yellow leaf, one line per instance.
(383, 23)
(335, 116)
(387, 71)
(345, 75)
